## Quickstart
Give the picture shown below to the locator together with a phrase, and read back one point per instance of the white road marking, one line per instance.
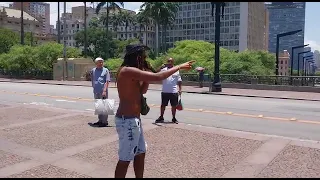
(62, 100)
(89, 109)
(38, 104)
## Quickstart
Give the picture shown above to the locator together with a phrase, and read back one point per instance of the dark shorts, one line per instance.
(172, 97)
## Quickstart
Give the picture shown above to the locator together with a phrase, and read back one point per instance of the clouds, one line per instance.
(313, 44)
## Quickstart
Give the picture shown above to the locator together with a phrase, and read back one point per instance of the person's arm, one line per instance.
(179, 84)
(144, 87)
(107, 80)
(146, 76)
(92, 77)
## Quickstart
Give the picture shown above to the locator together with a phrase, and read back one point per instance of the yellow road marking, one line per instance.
(187, 109)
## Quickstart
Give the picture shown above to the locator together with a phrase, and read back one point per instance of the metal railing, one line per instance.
(191, 77)
(31, 74)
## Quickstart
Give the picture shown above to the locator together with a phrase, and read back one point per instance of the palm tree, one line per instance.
(127, 19)
(109, 6)
(115, 20)
(144, 21)
(163, 13)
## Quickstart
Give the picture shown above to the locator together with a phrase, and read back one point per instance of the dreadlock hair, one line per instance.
(131, 60)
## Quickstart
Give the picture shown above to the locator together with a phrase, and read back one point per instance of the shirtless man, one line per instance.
(132, 80)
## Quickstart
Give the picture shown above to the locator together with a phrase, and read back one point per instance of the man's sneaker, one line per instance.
(159, 120)
(174, 120)
(103, 125)
(99, 124)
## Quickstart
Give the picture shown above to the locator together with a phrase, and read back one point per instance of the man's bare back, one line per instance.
(129, 95)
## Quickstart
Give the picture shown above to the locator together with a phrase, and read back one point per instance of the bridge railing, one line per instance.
(192, 77)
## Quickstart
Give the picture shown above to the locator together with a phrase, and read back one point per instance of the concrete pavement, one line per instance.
(307, 96)
(41, 141)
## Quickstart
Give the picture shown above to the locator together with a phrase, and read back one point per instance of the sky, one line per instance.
(312, 26)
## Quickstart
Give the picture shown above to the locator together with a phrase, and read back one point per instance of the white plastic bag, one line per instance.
(104, 107)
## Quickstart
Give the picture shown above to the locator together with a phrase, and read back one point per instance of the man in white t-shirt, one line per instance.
(171, 89)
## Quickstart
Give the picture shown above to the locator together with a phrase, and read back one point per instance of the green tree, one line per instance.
(99, 43)
(144, 21)
(127, 19)
(109, 6)
(163, 14)
(8, 38)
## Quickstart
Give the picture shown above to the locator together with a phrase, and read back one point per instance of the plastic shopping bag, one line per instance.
(104, 107)
(179, 106)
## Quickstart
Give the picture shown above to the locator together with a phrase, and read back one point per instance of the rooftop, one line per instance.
(17, 13)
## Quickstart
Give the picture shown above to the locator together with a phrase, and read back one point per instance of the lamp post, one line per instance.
(22, 25)
(65, 41)
(299, 60)
(85, 30)
(308, 68)
(277, 46)
(292, 54)
(216, 85)
(304, 59)
(58, 24)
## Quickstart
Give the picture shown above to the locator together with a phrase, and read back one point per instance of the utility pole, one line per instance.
(85, 30)
(65, 42)
(58, 25)
(22, 26)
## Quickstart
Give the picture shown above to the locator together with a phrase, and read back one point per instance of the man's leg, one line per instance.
(139, 159)
(174, 98)
(164, 103)
(129, 135)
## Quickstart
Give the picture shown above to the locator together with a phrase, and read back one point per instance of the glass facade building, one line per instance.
(285, 17)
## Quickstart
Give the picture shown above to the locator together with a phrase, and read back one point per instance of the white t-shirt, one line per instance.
(169, 85)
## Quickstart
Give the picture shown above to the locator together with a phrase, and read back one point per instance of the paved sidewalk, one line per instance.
(56, 143)
(192, 89)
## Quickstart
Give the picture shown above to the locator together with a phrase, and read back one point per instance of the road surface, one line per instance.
(289, 118)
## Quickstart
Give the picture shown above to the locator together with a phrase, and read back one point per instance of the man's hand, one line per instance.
(104, 94)
(180, 92)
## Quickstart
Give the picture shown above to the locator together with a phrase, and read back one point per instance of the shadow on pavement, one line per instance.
(96, 126)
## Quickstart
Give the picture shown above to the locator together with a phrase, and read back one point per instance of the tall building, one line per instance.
(285, 17)
(316, 54)
(75, 23)
(39, 10)
(242, 27)
(11, 19)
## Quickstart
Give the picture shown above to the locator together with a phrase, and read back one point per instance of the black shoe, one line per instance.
(103, 125)
(174, 120)
(159, 120)
(96, 124)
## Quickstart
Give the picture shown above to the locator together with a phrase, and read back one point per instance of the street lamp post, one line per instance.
(292, 54)
(216, 85)
(299, 60)
(277, 46)
(65, 41)
(308, 68)
(85, 30)
(58, 24)
(22, 25)
(304, 60)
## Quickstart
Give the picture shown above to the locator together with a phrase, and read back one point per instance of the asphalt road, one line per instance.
(290, 118)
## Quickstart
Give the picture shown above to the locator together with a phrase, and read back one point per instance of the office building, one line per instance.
(11, 19)
(242, 27)
(316, 54)
(75, 23)
(285, 17)
(284, 58)
(39, 10)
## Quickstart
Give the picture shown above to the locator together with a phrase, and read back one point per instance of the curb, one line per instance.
(191, 92)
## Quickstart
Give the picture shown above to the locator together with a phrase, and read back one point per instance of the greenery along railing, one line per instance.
(31, 74)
